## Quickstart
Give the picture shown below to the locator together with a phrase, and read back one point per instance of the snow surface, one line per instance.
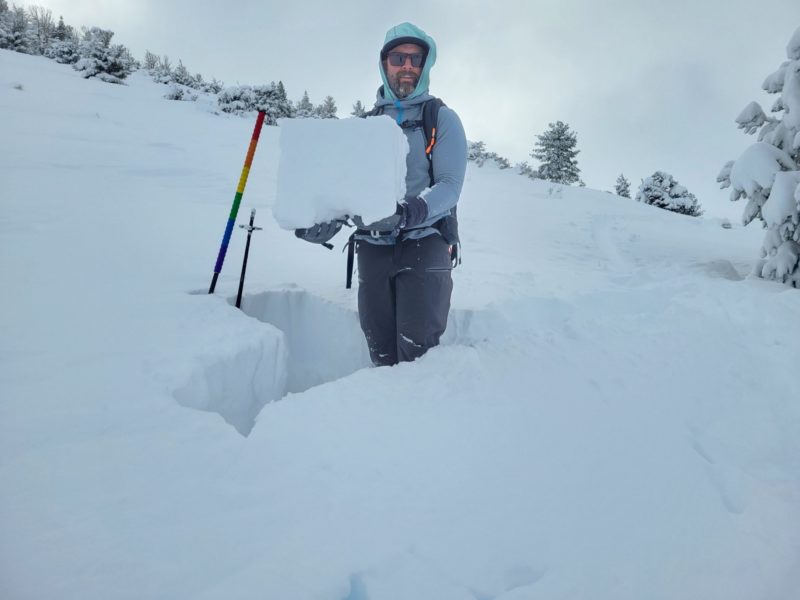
(613, 413)
(331, 168)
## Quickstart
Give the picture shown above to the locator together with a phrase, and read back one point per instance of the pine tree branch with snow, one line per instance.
(768, 172)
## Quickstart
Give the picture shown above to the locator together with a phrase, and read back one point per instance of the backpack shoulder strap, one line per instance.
(430, 116)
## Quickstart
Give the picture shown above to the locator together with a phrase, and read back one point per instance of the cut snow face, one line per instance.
(330, 168)
(311, 341)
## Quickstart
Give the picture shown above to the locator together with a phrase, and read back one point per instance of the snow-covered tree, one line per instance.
(663, 190)
(555, 149)
(477, 153)
(150, 62)
(623, 187)
(42, 27)
(327, 110)
(162, 72)
(101, 59)
(181, 75)
(358, 109)
(286, 108)
(526, 170)
(768, 172)
(63, 51)
(242, 99)
(61, 31)
(304, 108)
(15, 31)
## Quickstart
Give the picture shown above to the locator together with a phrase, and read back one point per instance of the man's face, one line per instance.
(403, 79)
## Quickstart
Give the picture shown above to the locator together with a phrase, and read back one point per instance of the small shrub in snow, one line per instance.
(768, 172)
(662, 190)
(180, 92)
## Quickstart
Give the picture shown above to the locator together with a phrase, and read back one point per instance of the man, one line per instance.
(404, 260)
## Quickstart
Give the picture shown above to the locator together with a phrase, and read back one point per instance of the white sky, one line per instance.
(647, 85)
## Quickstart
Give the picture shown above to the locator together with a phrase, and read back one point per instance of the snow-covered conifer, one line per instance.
(477, 153)
(327, 110)
(284, 105)
(242, 99)
(358, 109)
(101, 59)
(663, 190)
(304, 108)
(768, 172)
(182, 76)
(61, 32)
(63, 51)
(623, 186)
(15, 31)
(555, 149)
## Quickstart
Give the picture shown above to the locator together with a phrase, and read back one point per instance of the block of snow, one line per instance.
(330, 168)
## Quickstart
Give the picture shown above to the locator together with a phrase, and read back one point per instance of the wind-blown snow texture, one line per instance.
(601, 422)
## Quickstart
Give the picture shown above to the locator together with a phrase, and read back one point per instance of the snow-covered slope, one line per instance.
(614, 414)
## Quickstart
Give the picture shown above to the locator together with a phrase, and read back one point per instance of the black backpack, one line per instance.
(448, 225)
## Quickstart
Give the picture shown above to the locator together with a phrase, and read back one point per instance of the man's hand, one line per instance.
(320, 233)
(408, 215)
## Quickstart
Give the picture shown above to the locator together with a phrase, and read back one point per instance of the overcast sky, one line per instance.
(647, 85)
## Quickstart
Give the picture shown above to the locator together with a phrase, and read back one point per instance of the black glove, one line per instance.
(320, 233)
(409, 214)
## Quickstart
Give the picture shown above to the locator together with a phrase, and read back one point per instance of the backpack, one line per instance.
(447, 225)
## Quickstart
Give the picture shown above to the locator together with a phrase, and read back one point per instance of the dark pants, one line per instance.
(403, 297)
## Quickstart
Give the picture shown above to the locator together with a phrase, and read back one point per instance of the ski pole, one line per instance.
(237, 199)
(250, 230)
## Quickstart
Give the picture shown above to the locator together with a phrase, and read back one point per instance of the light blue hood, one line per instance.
(408, 30)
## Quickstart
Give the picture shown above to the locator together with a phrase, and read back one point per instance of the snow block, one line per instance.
(330, 168)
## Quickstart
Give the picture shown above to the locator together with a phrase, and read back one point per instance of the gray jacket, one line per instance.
(449, 161)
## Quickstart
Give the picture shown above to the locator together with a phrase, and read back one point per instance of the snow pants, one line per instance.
(403, 297)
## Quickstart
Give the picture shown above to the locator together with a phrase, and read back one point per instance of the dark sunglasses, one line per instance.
(398, 59)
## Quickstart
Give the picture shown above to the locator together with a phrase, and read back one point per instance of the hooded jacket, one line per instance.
(450, 151)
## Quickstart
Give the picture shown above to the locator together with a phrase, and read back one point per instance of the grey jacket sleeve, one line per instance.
(449, 163)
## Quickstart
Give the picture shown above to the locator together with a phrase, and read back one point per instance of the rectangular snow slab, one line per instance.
(330, 168)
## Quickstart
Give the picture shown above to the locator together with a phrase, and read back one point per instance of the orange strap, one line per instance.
(433, 141)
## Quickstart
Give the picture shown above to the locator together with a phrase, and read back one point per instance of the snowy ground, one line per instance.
(614, 414)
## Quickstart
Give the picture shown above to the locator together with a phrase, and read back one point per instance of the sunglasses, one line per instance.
(398, 59)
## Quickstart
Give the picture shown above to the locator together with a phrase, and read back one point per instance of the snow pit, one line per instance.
(324, 341)
(310, 341)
